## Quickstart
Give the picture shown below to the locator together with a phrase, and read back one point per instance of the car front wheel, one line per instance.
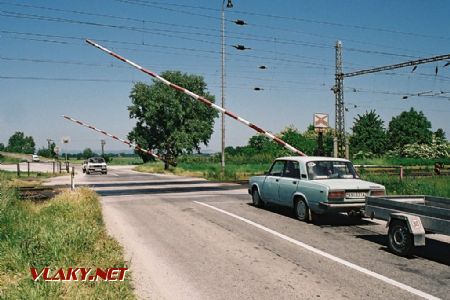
(256, 199)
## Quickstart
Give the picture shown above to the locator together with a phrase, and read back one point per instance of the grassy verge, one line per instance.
(210, 171)
(35, 179)
(9, 160)
(434, 185)
(66, 231)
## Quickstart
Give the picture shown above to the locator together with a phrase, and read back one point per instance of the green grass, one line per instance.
(118, 161)
(210, 171)
(433, 185)
(9, 160)
(401, 161)
(66, 231)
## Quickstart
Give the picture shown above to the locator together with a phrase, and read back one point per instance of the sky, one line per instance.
(48, 70)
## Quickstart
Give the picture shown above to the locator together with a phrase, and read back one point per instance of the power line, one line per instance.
(248, 36)
(306, 20)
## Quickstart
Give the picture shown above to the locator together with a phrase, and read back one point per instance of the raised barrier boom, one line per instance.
(135, 146)
(199, 98)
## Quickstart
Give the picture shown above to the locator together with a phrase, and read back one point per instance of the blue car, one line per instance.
(313, 186)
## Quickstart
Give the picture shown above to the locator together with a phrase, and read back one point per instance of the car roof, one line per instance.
(311, 158)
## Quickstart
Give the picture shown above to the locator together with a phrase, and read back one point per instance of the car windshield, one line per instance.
(330, 169)
(96, 160)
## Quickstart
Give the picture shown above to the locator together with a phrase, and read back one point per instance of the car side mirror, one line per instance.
(304, 176)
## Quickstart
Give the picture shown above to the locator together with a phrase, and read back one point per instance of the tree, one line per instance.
(168, 121)
(440, 134)
(294, 137)
(87, 153)
(408, 128)
(2, 147)
(369, 134)
(45, 152)
(20, 143)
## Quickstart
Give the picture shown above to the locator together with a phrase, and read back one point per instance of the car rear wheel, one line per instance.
(301, 210)
(256, 199)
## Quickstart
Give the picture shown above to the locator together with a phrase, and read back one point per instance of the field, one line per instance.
(66, 231)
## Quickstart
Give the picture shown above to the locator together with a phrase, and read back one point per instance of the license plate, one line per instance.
(355, 195)
(98, 169)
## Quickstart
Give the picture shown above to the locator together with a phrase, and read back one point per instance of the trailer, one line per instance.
(409, 218)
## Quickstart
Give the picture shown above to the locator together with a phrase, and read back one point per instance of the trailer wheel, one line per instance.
(256, 199)
(400, 239)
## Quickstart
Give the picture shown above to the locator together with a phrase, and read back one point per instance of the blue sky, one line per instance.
(48, 70)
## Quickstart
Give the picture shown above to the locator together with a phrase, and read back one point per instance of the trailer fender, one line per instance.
(414, 225)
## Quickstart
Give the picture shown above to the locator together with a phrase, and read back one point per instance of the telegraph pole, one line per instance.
(103, 142)
(48, 143)
(340, 142)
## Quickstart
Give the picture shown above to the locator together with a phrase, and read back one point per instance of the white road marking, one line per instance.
(325, 254)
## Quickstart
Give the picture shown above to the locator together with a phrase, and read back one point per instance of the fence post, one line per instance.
(18, 170)
(28, 168)
(67, 167)
(60, 167)
(401, 172)
(53, 167)
(72, 175)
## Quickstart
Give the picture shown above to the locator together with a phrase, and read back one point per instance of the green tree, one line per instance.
(2, 147)
(294, 137)
(408, 128)
(168, 121)
(440, 134)
(45, 152)
(20, 143)
(260, 143)
(369, 134)
(88, 153)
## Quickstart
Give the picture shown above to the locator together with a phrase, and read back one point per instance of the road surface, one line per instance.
(187, 238)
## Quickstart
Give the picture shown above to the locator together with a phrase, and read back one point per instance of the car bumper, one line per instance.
(96, 169)
(342, 207)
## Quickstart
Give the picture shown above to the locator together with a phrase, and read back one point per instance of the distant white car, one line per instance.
(35, 158)
(95, 164)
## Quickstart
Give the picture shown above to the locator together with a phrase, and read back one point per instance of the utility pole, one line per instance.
(229, 5)
(103, 142)
(48, 143)
(341, 144)
(338, 89)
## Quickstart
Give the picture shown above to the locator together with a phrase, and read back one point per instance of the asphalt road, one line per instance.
(187, 238)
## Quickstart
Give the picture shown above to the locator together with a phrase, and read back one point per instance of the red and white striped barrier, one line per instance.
(199, 98)
(135, 146)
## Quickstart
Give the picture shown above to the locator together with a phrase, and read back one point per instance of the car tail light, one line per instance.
(336, 194)
(377, 192)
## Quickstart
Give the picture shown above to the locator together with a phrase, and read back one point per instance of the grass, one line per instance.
(66, 231)
(210, 171)
(35, 179)
(9, 160)
(433, 185)
(401, 161)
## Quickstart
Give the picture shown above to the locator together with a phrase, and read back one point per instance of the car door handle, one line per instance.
(277, 180)
(294, 182)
